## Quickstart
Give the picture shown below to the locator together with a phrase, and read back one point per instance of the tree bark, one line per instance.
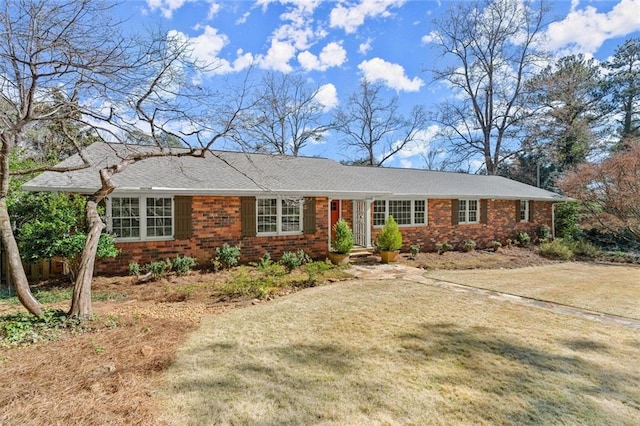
(18, 276)
(81, 306)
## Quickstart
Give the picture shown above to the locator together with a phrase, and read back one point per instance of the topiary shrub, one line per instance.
(389, 238)
(342, 237)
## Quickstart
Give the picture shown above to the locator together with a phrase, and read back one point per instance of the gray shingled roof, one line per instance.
(237, 173)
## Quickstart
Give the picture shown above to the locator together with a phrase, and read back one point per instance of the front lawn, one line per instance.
(606, 288)
(397, 352)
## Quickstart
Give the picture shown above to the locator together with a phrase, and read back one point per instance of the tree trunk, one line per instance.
(81, 302)
(18, 276)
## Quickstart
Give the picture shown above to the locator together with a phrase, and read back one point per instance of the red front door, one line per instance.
(335, 213)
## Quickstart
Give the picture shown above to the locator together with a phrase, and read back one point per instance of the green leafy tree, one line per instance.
(52, 225)
(623, 82)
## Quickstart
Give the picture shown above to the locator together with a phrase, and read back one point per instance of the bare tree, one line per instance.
(102, 81)
(488, 51)
(286, 116)
(374, 128)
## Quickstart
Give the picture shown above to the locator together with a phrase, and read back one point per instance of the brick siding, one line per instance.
(216, 220)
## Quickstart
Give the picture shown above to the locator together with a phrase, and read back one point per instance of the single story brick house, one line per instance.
(168, 206)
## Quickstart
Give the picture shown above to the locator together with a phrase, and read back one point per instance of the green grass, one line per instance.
(397, 352)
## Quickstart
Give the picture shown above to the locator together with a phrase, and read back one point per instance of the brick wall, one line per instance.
(216, 221)
(501, 225)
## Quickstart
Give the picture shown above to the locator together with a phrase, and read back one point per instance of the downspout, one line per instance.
(553, 220)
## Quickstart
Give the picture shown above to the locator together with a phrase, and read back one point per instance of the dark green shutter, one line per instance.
(455, 207)
(248, 216)
(483, 211)
(518, 210)
(309, 216)
(183, 227)
(531, 204)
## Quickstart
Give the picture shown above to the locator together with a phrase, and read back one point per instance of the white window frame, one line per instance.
(142, 203)
(413, 212)
(465, 220)
(279, 231)
(525, 205)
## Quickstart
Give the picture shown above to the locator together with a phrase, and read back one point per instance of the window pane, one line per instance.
(159, 214)
(125, 219)
(290, 216)
(473, 210)
(419, 212)
(379, 212)
(267, 215)
(401, 211)
(524, 210)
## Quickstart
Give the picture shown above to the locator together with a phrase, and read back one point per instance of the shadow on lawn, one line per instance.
(473, 374)
(519, 383)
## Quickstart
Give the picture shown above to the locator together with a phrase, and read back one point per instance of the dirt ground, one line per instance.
(108, 375)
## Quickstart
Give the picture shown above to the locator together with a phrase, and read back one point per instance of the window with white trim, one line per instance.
(278, 216)
(468, 211)
(524, 210)
(404, 212)
(140, 218)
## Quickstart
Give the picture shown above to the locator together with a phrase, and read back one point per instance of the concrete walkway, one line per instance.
(403, 272)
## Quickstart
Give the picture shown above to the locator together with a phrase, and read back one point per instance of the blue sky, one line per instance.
(337, 43)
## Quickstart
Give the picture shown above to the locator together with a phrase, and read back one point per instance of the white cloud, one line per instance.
(392, 75)
(327, 96)
(278, 57)
(365, 47)
(420, 145)
(166, 7)
(585, 30)
(430, 38)
(350, 17)
(206, 48)
(332, 55)
(214, 8)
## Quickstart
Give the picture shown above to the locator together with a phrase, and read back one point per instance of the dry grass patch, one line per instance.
(395, 352)
(611, 289)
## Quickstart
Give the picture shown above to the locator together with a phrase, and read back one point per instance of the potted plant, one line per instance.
(389, 241)
(341, 244)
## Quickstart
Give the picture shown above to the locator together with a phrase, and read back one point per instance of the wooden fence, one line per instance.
(44, 270)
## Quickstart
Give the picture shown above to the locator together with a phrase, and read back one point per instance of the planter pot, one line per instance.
(339, 258)
(388, 256)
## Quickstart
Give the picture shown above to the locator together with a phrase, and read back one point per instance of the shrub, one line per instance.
(468, 245)
(342, 237)
(290, 260)
(584, 248)
(264, 262)
(414, 250)
(567, 220)
(523, 239)
(544, 233)
(495, 245)
(389, 238)
(158, 269)
(444, 247)
(556, 249)
(134, 268)
(183, 264)
(227, 256)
